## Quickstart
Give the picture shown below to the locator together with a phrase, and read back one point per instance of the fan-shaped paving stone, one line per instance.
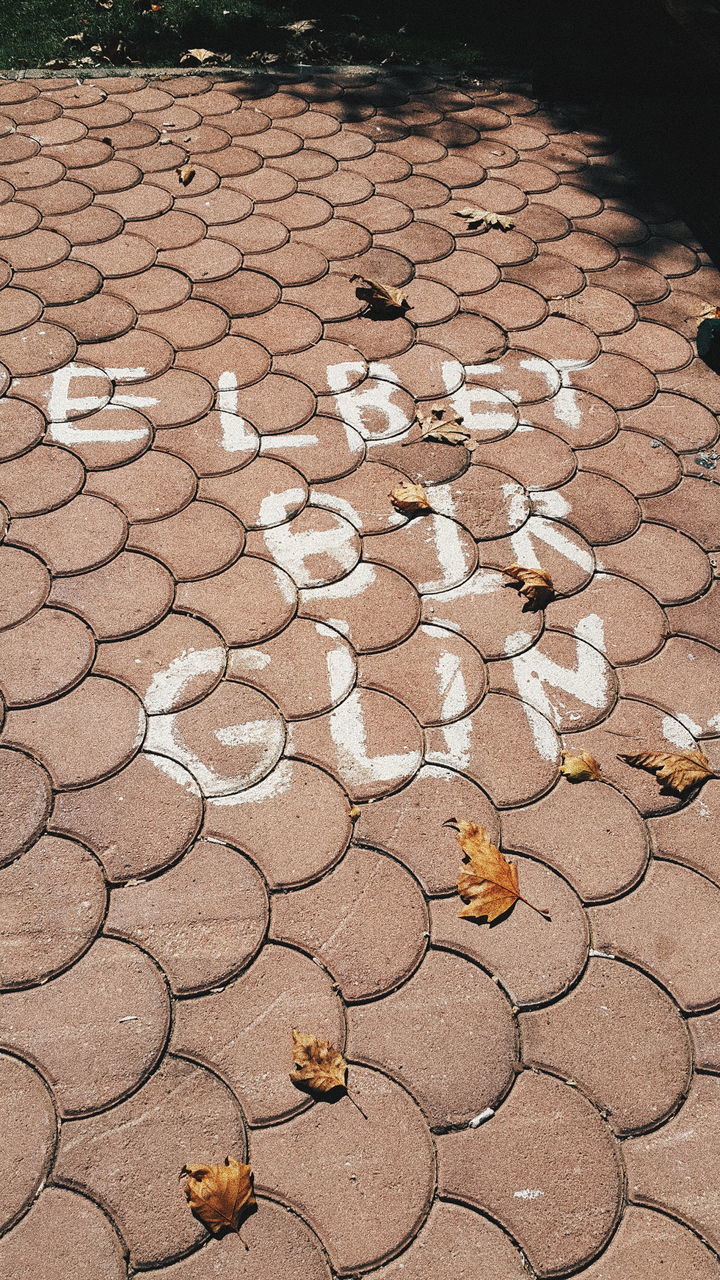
(243, 1032)
(410, 826)
(535, 458)
(216, 444)
(687, 835)
(284, 804)
(693, 507)
(25, 801)
(247, 603)
(640, 929)
(202, 920)
(174, 664)
(362, 498)
(306, 670)
(200, 540)
(534, 961)
(567, 679)
(547, 544)
(591, 834)
(41, 480)
(705, 1033)
(69, 736)
(370, 743)
(137, 822)
(43, 657)
(344, 922)
(486, 611)
(315, 549)
(281, 330)
(435, 673)
(433, 551)
(665, 562)
(601, 309)
(26, 583)
(339, 1170)
(645, 1067)
(520, 375)
(373, 607)
(114, 1006)
(486, 501)
(653, 1242)
(582, 420)
(21, 427)
(53, 905)
(276, 404)
(29, 1126)
(71, 1235)
(682, 678)
(451, 1240)
(322, 450)
(128, 1158)
(599, 508)
(672, 1169)
(119, 599)
(433, 1035)
(263, 494)
(274, 1232)
(228, 741)
(84, 534)
(644, 466)
(522, 1155)
(151, 487)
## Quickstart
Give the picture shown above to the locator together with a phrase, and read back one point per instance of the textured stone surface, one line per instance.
(241, 694)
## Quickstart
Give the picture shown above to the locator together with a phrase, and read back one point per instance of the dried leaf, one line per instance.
(536, 585)
(77, 38)
(443, 425)
(318, 1066)
(203, 57)
(410, 499)
(484, 219)
(582, 767)
(383, 299)
(355, 812)
(489, 883)
(185, 173)
(220, 1195)
(301, 27)
(678, 771)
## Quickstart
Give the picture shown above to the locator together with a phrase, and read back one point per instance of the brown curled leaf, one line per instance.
(220, 1195)
(443, 425)
(678, 771)
(485, 219)
(381, 299)
(535, 584)
(185, 173)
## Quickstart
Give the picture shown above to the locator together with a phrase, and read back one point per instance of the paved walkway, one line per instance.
(218, 636)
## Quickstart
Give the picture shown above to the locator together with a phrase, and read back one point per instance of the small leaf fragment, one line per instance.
(355, 812)
(488, 884)
(185, 173)
(485, 219)
(220, 1195)
(678, 771)
(410, 499)
(381, 299)
(318, 1065)
(443, 425)
(580, 767)
(535, 584)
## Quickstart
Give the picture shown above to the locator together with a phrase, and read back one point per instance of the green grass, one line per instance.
(253, 31)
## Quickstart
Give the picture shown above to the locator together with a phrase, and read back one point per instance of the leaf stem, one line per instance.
(545, 914)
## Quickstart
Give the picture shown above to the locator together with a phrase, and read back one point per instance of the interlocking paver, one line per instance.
(217, 635)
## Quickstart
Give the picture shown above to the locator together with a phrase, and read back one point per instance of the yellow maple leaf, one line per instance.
(580, 767)
(410, 499)
(318, 1065)
(488, 884)
(220, 1195)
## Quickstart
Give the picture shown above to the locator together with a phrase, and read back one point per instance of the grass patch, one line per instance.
(260, 31)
